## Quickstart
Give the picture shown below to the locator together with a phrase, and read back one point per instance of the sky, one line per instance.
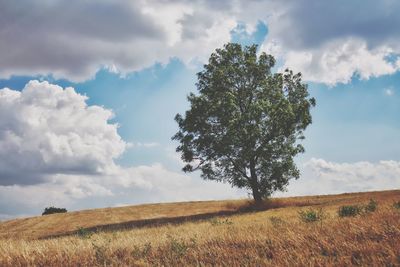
(89, 90)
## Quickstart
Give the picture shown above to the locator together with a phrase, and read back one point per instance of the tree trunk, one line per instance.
(254, 184)
(256, 194)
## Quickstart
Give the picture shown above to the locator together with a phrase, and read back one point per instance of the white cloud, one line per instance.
(330, 44)
(338, 61)
(324, 177)
(45, 130)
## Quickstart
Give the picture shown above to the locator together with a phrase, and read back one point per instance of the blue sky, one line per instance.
(143, 74)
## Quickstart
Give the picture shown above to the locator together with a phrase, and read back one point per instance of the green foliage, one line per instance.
(311, 215)
(244, 124)
(84, 233)
(354, 210)
(371, 206)
(350, 210)
(51, 210)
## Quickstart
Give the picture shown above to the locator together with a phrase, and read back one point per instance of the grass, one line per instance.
(223, 233)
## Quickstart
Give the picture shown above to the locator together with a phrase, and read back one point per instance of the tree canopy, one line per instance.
(244, 123)
(52, 210)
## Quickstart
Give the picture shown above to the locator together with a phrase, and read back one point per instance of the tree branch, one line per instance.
(237, 168)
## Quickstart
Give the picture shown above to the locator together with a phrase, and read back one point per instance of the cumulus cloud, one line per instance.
(49, 135)
(124, 36)
(309, 24)
(120, 35)
(46, 130)
(320, 176)
(339, 60)
(330, 42)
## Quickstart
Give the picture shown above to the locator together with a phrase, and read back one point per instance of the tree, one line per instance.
(52, 210)
(244, 124)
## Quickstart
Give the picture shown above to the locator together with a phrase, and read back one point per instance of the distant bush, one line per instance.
(350, 210)
(311, 215)
(51, 210)
(354, 210)
(371, 206)
(396, 205)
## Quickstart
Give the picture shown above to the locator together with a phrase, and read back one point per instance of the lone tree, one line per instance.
(244, 123)
(52, 210)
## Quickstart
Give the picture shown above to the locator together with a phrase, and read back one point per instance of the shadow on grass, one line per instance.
(231, 210)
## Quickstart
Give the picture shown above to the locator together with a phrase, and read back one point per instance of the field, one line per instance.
(298, 231)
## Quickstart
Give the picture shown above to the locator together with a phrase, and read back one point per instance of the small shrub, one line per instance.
(311, 215)
(51, 210)
(84, 233)
(349, 210)
(371, 206)
(354, 210)
(396, 205)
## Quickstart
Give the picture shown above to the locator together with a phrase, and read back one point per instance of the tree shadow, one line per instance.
(248, 207)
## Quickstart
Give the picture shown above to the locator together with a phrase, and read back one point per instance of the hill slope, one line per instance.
(65, 223)
(148, 214)
(211, 232)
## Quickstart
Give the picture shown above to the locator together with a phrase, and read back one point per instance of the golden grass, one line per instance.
(272, 237)
(56, 224)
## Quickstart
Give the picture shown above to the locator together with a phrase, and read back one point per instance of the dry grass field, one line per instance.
(298, 231)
